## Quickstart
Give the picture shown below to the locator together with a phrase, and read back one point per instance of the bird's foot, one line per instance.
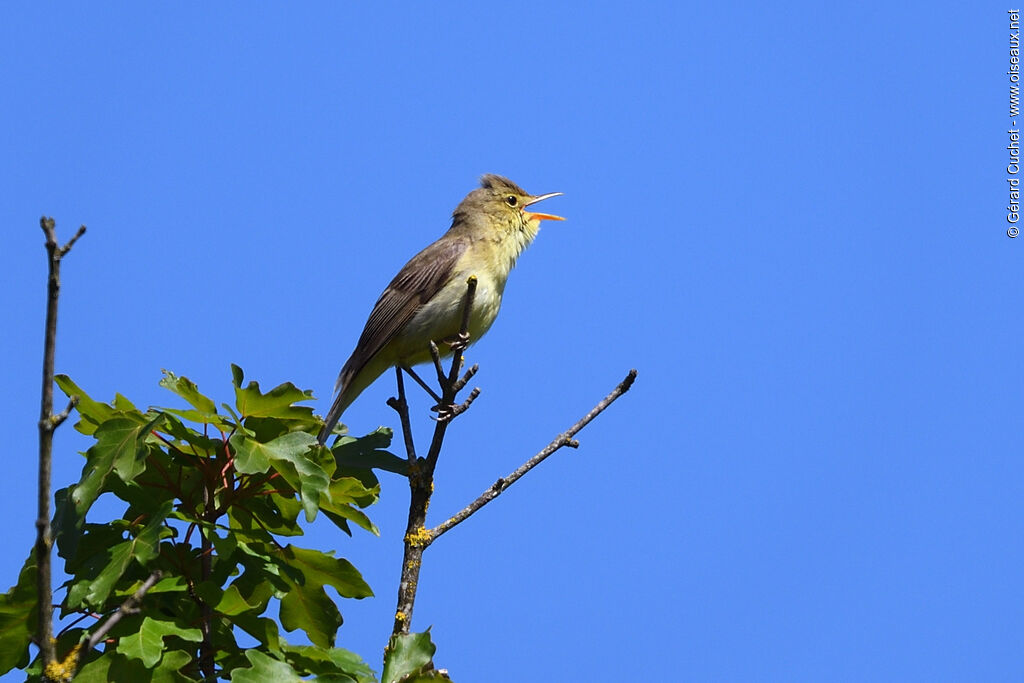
(458, 342)
(446, 413)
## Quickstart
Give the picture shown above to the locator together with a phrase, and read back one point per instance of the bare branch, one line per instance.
(464, 380)
(66, 670)
(423, 385)
(448, 413)
(63, 415)
(402, 408)
(71, 242)
(467, 308)
(48, 422)
(435, 355)
(563, 439)
(128, 607)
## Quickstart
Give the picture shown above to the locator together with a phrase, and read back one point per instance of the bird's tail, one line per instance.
(341, 402)
(351, 383)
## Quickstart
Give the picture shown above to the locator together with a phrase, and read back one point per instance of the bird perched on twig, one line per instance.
(423, 303)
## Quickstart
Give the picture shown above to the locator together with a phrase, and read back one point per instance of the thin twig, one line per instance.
(64, 414)
(455, 411)
(75, 622)
(563, 439)
(66, 670)
(48, 422)
(127, 608)
(423, 385)
(464, 380)
(435, 355)
(401, 406)
(466, 310)
(71, 242)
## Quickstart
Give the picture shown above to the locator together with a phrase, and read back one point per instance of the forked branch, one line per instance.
(48, 422)
(421, 470)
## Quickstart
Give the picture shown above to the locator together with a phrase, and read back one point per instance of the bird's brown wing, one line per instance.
(417, 283)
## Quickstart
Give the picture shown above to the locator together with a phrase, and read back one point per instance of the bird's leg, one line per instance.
(423, 384)
(451, 383)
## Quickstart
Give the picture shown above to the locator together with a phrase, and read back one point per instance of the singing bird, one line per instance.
(424, 302)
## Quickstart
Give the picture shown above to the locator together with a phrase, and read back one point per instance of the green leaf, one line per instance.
(97, 590)
(341, 494)
(261, 515)
(345, 490)
(202, 418)
(263, 629)
(308, 607)
(189, 440)
(367, 452)
(407, 656)
(253, 457)
(203, 409)
(289, 455)
(67, 523)
(95, 671)
(129, 444)
(424, 677)
(256, 588)
(232, 602)
(18, 617)
(121, 668)
(142, 548)
(94, 544)
(168, 584)
(120, 447)
(236, 376)
(92, 413)
(277, 402)
(167, 671)
(265, 670)
(322, 569)
(187, 389)
(310, 660)
(124, 405)
(338, 521)
(148, 643)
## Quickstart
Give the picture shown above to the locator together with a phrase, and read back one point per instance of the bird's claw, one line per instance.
(450, 411)
(445, 412)
(459, 342)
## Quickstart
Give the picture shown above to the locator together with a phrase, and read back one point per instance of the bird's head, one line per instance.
(502, 204)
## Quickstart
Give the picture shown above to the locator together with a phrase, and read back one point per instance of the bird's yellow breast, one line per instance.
(441, 317)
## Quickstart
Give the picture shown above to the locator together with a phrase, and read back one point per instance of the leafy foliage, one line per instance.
(210, 495)
(409, 659)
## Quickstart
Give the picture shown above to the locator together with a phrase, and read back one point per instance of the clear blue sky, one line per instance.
(790, 220)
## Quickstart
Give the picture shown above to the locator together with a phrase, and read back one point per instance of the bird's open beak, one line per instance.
(541, 216)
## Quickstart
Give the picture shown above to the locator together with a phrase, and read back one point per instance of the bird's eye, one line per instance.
(511, 200)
